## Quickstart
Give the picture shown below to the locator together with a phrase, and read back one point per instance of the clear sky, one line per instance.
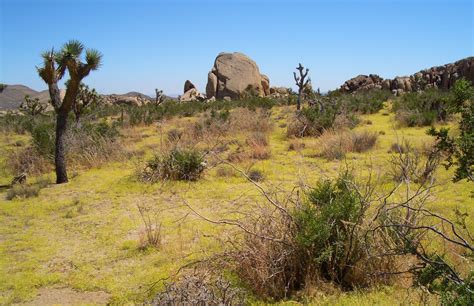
(149, 44)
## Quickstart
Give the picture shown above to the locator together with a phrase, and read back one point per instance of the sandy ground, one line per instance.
(67, 296)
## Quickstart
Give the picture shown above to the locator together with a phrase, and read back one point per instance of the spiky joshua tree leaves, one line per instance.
(301, 82)
(53, 70)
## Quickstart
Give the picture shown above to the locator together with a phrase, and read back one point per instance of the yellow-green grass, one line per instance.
(85, 234)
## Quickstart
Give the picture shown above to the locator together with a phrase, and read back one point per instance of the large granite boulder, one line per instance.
(234, 75)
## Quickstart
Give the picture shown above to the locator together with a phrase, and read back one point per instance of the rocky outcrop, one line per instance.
(234, 75)
(442, 77)
(132, 100)
(188, 85)
(362, 82)
(191, 93)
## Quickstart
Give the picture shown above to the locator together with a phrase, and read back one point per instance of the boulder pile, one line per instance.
(442, 77)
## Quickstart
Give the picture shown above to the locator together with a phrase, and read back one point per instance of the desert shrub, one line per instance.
(421, 108)
(43, 139)
(246, 120)
(365, 102)
(296, 145)
(411, 164)
(345, 232)
(459, 149)
(363, 141)
(256, 175)
(336, 144)
(88, 145)
(151, 235)
(24, 191)
(200, 289)
(174, 135)
(28, 160)
(258, 143)
(19, 124)
(325, 114)
(323, 231)
(286, 247)
(149, 113)
(178, 164)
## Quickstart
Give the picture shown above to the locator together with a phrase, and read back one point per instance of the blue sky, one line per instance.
(149, 44)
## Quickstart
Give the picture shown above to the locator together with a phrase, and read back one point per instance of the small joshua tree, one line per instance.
(2, 87)
(33, 106)
(301, 82)
(85, 97)
(159, 96)
(54, 67)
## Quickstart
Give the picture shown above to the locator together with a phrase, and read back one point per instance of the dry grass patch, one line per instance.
(336, 144)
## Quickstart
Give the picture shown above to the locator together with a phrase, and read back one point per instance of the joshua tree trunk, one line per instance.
(60, 154)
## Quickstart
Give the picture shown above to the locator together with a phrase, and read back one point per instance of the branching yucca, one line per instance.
(53, 70)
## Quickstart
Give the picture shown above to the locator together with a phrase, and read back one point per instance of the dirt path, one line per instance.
(68, 296)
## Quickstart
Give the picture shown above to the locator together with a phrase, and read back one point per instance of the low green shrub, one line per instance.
(24, 191)
(178, 164)
(422, 108)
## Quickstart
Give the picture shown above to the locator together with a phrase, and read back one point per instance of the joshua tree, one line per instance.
(159, 96)
(54, 67)
(301, 83)
(2, 87)
(85, 97)
(33, 106)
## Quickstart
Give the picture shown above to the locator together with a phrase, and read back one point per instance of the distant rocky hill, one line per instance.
(438, 77)
(12, 96)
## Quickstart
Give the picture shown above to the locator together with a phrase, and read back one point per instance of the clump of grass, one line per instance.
(296, 145)
(225, 171)
(258, 143)
(335, 145)
(24, 191)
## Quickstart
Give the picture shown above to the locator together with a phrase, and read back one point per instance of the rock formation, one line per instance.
(188, 85)
(191, 93)
(132, 100)
(442, 77)
(235, 75)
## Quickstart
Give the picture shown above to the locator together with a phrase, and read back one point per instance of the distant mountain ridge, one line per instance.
(12, 96)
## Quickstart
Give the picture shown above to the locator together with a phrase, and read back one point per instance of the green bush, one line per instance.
(322, 227)
(44, 139)
(366, 102)
(459, 150)
(179, 164)
(422, 108)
